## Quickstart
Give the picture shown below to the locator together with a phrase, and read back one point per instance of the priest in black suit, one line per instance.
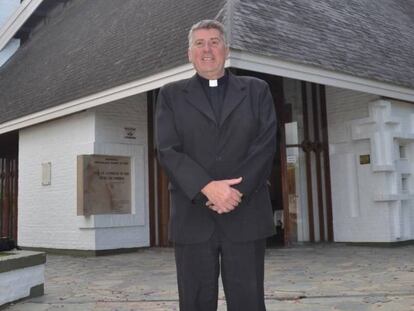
(216, 138)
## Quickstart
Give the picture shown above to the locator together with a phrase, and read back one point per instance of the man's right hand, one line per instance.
(222, 197)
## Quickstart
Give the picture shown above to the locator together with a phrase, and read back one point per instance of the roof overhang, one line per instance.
(237, 60)
(292, 70)
(97, 99)
(16, 20)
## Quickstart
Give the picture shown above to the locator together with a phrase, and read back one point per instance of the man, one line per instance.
(216, 136)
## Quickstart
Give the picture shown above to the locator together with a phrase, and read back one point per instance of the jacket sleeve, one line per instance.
(182, 170)
(257, 165)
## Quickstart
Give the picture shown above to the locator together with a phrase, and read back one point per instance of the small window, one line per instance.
(403, 151)
(46, 174)
(405, 183)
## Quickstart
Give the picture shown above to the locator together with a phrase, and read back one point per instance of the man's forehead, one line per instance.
(206, 34)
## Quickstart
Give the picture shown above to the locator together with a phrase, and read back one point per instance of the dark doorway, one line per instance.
(159, 197)
(277, 187)
(8, 184)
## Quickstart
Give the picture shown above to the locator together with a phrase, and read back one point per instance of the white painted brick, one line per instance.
(376, 221)
(48, 214)
(111, 121)
(351, 218)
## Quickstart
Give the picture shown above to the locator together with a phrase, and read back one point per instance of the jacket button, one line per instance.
(218, 158)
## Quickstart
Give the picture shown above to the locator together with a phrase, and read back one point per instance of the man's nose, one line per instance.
(207, 46)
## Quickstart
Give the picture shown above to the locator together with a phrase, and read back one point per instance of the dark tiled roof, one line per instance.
(89, 46)
(364, 38)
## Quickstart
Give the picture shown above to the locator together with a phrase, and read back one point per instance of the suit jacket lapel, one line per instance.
(196, 96)
(235, 94)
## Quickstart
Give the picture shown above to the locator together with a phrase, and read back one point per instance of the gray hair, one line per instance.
(207, 24)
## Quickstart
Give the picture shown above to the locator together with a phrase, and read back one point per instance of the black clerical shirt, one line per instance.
(215, 94)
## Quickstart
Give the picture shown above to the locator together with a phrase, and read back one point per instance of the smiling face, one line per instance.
(208, 53)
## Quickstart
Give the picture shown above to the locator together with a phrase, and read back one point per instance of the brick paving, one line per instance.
(320, 277)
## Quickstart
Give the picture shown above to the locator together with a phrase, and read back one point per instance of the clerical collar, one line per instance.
(213, 83)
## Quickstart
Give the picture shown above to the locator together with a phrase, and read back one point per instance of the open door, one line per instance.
(308, 195)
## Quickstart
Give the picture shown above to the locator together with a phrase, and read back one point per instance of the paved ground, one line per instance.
(317, 278)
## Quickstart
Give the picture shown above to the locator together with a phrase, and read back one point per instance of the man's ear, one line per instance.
(189, 55)
(227, 52)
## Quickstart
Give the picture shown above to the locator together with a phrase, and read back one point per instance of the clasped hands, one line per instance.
(222, 197)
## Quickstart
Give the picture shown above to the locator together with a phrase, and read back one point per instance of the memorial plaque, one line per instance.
(364, 159)
(104, 185)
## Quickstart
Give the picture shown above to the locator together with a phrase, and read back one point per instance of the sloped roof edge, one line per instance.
(236, 59)
(116, 54)
(273, 66)
(100, 98)
(108, 45)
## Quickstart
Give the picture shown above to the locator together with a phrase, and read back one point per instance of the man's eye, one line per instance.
(198, 43)
(215, 42)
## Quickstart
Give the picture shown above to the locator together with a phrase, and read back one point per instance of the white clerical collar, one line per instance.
(212, 83)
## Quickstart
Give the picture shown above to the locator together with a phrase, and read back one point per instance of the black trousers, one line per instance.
(242, 272)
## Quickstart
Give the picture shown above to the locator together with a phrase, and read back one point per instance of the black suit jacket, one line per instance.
(194, 148)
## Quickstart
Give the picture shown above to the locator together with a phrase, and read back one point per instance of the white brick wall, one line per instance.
(351, 208)
(111, 121)
(47, 214)
(358, 214)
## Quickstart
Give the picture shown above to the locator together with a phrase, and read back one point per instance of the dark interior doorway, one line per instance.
(277, 187)
(8, 184)
(159, 197)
